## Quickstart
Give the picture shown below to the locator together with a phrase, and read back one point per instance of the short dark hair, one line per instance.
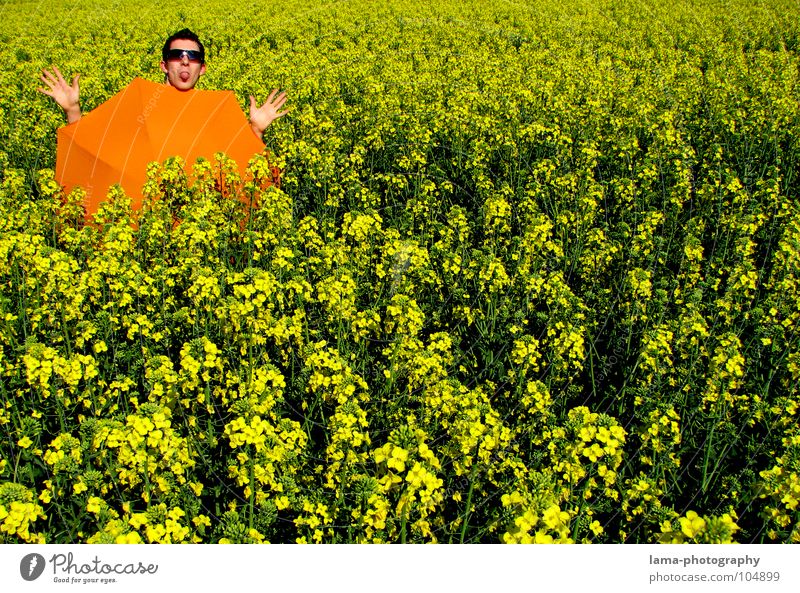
(184, 34)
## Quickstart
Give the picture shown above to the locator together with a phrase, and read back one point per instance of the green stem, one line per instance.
(403, 521)
(465, 520)
(251, 501)
(705, 460)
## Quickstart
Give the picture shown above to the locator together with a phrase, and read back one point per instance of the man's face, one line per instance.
(182, 73)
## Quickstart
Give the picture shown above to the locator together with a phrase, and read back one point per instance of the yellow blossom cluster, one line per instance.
(545, 288)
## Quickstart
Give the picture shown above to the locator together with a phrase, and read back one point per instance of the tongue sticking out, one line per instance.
(184, 76)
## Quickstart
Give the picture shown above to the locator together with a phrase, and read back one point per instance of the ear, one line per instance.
(164, 67)
(202, 69)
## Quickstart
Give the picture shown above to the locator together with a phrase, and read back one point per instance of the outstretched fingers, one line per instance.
(55, 81)
(277, 101)
(50, 80)
(58, 74)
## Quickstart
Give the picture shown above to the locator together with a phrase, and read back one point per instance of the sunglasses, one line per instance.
(192, 55)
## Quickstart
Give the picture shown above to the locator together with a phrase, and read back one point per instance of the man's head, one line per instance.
(183, 60)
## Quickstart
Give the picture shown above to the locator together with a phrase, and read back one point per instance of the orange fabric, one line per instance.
(148, 122)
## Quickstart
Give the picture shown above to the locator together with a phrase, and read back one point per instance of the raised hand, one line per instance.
(261, 117)
(67, 96)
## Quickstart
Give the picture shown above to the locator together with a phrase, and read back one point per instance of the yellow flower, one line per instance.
(555, 518)
(93, 505)
(416, 475)
(201, 520)
(24, 442)
(131, 537)
(692, 524)
(397, 459)
(543, 538)
(137, 520)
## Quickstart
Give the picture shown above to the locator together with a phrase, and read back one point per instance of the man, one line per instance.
(183, 63)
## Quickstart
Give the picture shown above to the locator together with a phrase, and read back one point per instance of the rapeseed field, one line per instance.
(530, 273)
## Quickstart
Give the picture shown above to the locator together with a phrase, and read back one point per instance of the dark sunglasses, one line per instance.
(192, 54)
